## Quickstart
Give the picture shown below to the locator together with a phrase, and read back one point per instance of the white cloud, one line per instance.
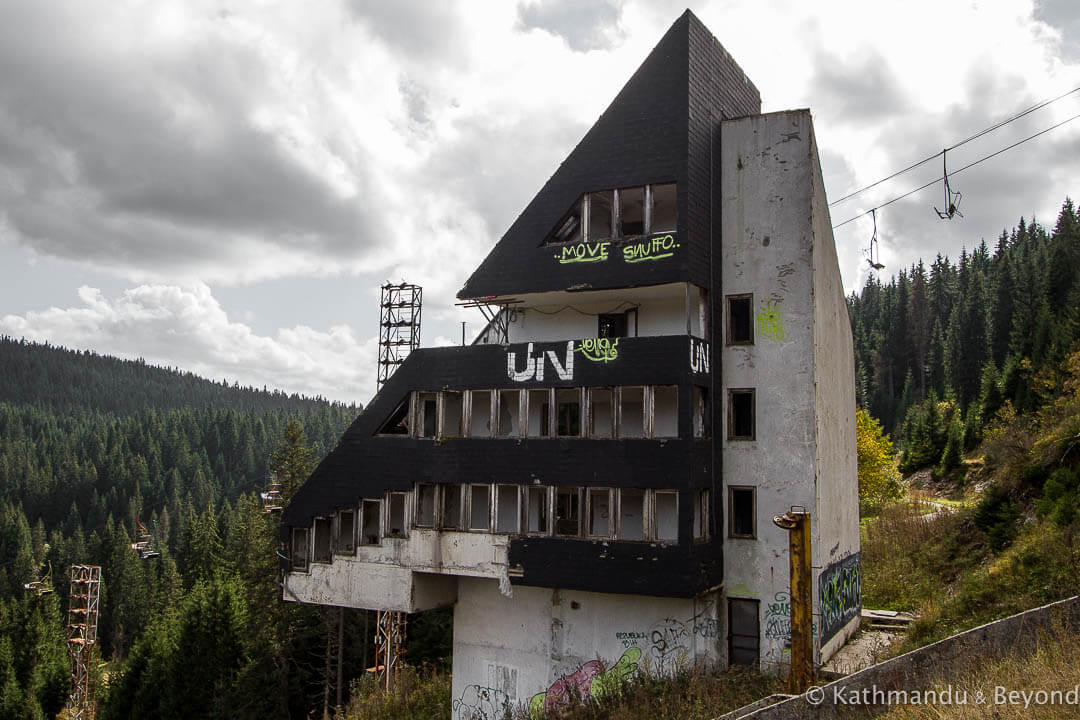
(186, 327)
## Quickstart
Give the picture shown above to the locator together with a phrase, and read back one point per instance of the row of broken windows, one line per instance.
(619, 213)
(632, 514)
(597, 412)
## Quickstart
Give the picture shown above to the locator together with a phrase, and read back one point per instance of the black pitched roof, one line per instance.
(661, 127)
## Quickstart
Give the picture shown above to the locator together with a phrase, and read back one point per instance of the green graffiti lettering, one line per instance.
(599, 349)
(583, 252)
(769, 322)
(655, 248)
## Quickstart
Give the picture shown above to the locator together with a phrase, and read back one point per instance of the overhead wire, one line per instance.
(976, 136)
(936, 180)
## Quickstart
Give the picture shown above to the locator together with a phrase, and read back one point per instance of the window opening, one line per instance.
(451, 414)
(631, 514)
(425, 505)
(601, 207)
(569, 228)
(398, 423)
(320, 551)
(509, 413)
(665, 411)
(663, 208)
(632, 211)
(537, 511)
(451, 507)
(568, 512)
(345, 532)
(427, 406)
(741, 414)
(740, 326)
(632, 412)
(539, 402)
(742, 512)
(569, 401)
(611, 325)
(507, 511)
(480, 408)
(744, 631)
(702, 413)
(369, 522)
(601, 413)
(701, 515)
(667, 516)
(396, 515)
(599, 524)
(480, 507)
(300, 549)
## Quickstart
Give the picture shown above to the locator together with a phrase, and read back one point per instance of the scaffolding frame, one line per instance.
(399, 326)
(83, 601)
(389, 646)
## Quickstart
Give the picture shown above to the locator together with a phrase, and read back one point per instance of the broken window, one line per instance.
(536, 510)
(741, 414)
(320, 548)
(480, 507)
(395, 517)
(632, 211)
(507, 512)
(666, 510)
(611, 325)
(601, 207)
(569, 228)
(344, 532)
(451, 414)
(569, 401)
(702, 413)
(632, 412)
(631, 514)
(665, 411)
(663, 208)
(744, 631)
(425, 505)
(601, 413)
(480, 411)
(509, 413)
(299, 552)
(740, 327)
(742, 511)
(599, 513)
(568, 512)
(370, 519)
(451, 507)
(426, 406)
(701, 515)
(539, 413)
(398, 423)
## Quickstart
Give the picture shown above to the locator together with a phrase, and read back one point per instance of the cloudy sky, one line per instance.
(222, 186)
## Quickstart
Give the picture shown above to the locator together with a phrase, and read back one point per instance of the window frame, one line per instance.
(731, 393)
(387, 529)
(589, 491)
(729, 324)
(732, 489)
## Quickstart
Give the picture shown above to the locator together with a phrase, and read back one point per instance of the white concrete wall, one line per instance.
(778, 246)
(509, 650)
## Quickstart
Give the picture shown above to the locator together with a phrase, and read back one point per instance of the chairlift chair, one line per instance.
(272, 497)
(42, 586)
(952, 199)
(876, 265)
(146, 545)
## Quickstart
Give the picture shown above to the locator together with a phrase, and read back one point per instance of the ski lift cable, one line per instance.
(976, 136)
(936, 180)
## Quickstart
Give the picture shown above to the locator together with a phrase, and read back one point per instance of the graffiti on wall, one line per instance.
(481, 703)
(535, 364)
(667, 645)
(841, 595)
(699, 355)
(778, 617)
(647, 249)
(591, 681)
(599, 349)
(769, 322)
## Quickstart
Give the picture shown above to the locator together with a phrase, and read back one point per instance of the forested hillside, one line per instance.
(940, 351)
(91, 448)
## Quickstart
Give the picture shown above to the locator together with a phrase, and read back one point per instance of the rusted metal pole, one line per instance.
(797, 522)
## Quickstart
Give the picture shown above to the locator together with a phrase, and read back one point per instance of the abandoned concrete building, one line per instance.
(591, 484)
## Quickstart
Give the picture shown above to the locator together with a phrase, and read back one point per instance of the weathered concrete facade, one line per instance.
(591, 484)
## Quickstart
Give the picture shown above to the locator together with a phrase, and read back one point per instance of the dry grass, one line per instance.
(1052, 667)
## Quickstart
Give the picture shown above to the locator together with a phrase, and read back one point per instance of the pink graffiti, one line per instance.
(573, 688)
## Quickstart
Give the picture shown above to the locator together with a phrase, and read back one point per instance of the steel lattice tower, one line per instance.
(399, 326)
(82, 627)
